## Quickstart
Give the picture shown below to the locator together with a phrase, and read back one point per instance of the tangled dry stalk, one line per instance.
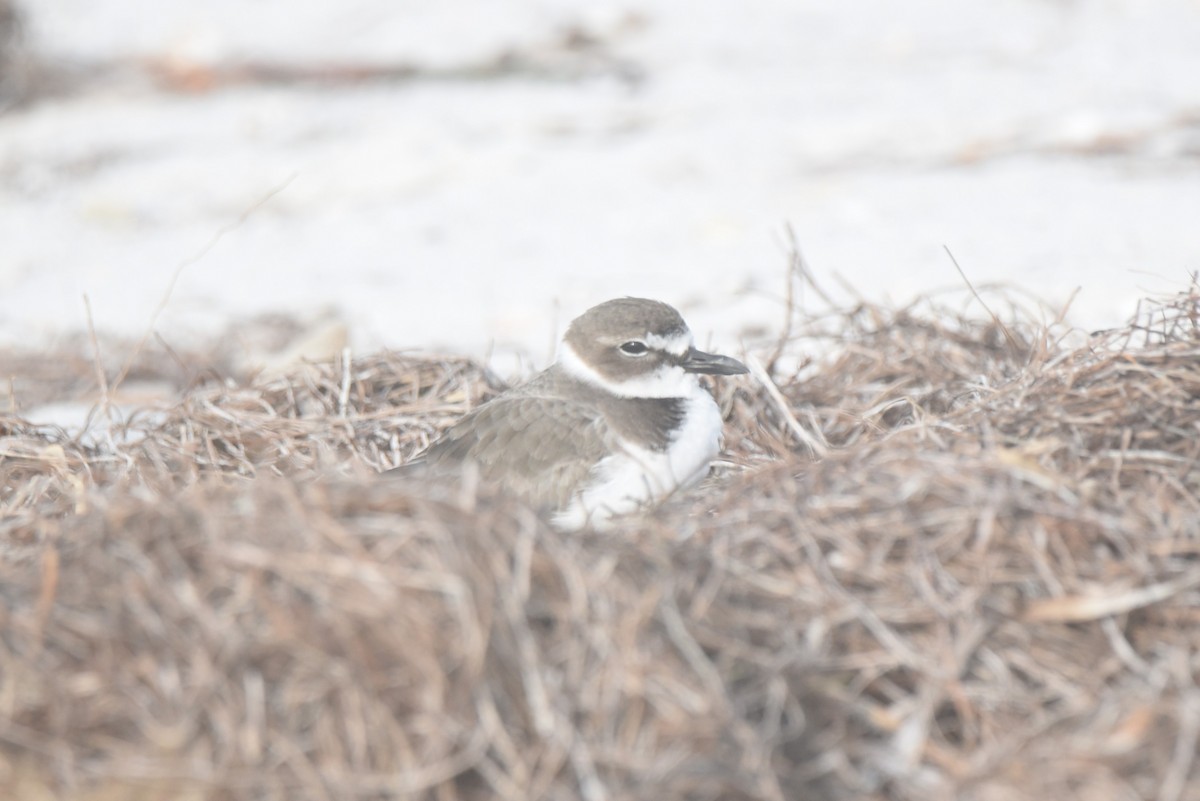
(987, 589)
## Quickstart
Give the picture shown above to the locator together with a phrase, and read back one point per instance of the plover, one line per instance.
(617, 423)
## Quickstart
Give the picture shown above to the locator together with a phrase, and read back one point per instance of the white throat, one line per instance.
(668, 381)
(634, 476)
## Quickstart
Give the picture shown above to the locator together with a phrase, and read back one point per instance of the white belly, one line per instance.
(634, 477)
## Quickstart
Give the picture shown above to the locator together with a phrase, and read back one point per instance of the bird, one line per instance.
(616, 424)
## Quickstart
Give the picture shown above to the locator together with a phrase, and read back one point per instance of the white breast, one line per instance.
(634, 476)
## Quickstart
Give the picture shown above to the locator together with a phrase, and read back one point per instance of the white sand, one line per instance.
(479, 213)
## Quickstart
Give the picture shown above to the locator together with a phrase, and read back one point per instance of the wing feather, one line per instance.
(539, 448)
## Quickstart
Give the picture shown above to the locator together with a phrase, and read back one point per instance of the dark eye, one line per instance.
(634, 348)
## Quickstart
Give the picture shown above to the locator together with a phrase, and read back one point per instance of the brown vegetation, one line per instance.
(985, 589)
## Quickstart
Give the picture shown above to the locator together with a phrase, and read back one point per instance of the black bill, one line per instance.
(697, 361)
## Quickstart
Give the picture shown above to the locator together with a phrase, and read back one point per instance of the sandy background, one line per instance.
(489, 172)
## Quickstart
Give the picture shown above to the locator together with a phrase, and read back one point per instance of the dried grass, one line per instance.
(986, 589)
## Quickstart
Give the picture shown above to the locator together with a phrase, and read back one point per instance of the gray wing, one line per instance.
(537, 448)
